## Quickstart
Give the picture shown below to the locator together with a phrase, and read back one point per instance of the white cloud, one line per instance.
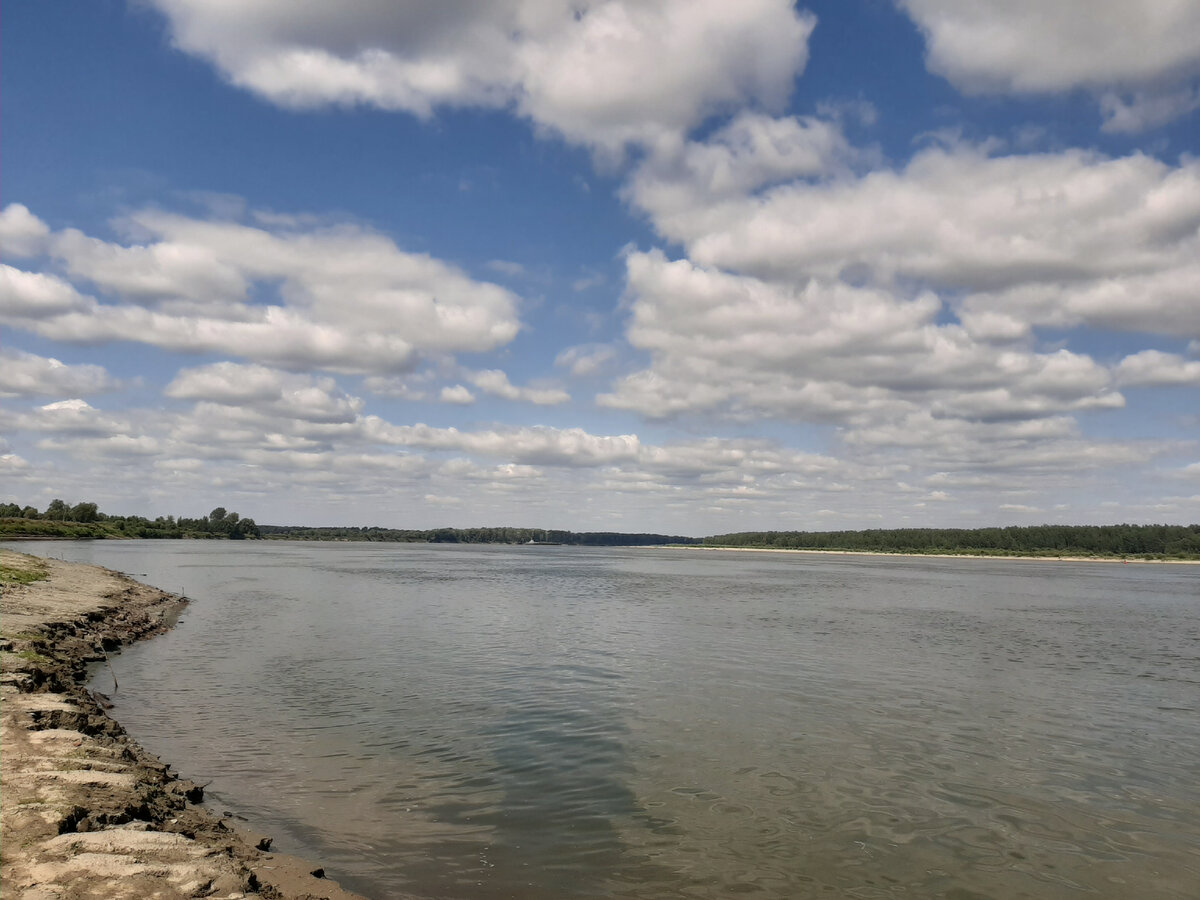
(36, 296)
(348, 299)
(163, 271)
(1142, 59)
(1142, 111)
(537, 445)
(586, 359)
(75, 417)
(496, 383)
(828, 352)
(254, 453)
(21, 232)
(267, 390)
(1044, 239)
(955, 218)
(1153, 368)
(602, 73)
(754, 150)
(10, 463)
(113, 447)
(29, 375)
(458, 394)
(1032, 46)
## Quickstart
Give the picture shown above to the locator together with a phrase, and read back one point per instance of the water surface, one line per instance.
(557, 722)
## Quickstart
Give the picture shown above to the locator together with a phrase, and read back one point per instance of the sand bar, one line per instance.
(997, 556)
(84, 811)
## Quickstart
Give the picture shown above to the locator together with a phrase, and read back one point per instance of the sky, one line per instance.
(685, 266)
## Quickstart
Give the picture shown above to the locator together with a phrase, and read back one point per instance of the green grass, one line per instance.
(31, 636)
(34, 657)
(34, 572)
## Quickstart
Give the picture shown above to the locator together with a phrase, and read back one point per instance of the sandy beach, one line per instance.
(84, 811)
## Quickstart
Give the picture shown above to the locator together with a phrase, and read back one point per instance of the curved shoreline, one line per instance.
(84, 810)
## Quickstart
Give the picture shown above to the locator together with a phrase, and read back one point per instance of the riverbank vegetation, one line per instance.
(84, 520)
(22, 570)
(474, 536)
(1108, 541)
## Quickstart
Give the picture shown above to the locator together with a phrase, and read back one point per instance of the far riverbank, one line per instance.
(997, 556)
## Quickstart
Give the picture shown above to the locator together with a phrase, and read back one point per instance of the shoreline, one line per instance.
(883, 553)
(85, 810)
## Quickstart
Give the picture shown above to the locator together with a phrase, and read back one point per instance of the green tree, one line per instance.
(85, 512)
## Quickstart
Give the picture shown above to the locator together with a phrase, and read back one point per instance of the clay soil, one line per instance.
(84, 811)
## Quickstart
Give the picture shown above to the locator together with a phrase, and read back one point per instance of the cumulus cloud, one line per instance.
(247, 447)
(458, 394)
(954, 217)
(537, 445)
(496, 383)
(28, 375)
(347, 298)
(21, 232)
(33, 295)
(1029, 46)
(76, 417)
(1025, 45)
(1153, 368)
(752, 151)
(271, 391)
(1057, 239)
(826, 351)
(603, 73)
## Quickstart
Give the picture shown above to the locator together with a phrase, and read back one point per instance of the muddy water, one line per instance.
(548, 722)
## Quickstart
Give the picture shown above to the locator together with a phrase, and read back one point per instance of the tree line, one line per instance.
(81, 520)
(84, 520)
(1016, 540)
(487, 535)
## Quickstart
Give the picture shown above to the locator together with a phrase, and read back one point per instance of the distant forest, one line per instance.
(1181, 541)
(84, 520)
(474, 536)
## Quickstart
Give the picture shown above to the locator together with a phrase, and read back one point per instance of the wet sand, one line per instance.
(84, 811)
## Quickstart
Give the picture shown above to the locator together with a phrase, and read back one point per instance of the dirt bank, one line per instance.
(84, 811)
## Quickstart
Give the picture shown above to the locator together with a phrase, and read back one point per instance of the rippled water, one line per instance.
(546, 722)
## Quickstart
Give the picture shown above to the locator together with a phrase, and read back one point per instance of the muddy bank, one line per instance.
(84, 811)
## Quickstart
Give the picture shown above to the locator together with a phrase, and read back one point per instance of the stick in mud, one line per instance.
(110, 668)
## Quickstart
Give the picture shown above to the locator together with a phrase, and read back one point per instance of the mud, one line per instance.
(84, 811)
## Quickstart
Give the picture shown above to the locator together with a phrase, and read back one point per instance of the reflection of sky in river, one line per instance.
(553, 722)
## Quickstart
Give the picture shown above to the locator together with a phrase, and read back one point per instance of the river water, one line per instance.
(555, 722)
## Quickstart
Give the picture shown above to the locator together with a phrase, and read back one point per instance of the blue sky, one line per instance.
(689, 267)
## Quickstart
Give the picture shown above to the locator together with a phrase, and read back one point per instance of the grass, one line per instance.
(31, 636)
(24, 574)
(34, 657)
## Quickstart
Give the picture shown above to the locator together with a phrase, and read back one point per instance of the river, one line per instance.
(556, 722)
